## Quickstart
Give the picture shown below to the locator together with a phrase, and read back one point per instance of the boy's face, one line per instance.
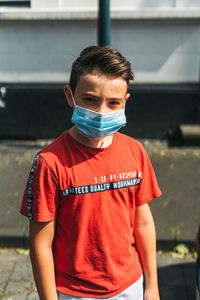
(99, 93)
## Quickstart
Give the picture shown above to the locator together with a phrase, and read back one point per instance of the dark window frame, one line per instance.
(15, 3)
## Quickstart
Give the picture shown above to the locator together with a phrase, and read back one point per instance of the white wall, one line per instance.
(115, 4)
(41, 51)
(187, 3)
(163, 44)
(159, 51)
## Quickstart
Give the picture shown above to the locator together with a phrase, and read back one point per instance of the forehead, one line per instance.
(100, 82)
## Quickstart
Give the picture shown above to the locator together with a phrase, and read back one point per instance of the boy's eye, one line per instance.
(114, 103)
(89, 99)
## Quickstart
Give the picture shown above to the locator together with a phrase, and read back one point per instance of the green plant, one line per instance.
(175, 231)
(180, 251)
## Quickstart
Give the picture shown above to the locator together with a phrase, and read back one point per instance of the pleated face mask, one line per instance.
(97, 125)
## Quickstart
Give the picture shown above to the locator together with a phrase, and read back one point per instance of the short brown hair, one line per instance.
(103, 59)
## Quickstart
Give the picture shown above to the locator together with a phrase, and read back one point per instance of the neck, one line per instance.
(99, 143)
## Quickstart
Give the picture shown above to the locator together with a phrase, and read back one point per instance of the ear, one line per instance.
(127, 97)
(68, 95)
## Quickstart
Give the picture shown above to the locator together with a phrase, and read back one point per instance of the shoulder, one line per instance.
(133, 148)
(52, 155)
(56, 146)
(127, 141)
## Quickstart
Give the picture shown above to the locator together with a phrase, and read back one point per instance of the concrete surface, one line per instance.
(178, 209)
(176, 277)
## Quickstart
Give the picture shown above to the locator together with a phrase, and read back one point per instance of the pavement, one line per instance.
(176, 276)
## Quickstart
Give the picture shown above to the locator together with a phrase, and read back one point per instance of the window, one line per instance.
(15, 3)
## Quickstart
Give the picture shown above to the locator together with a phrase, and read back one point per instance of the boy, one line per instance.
(88, 192)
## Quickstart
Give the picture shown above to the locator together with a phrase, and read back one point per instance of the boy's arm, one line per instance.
(145, 238)
(41, 238)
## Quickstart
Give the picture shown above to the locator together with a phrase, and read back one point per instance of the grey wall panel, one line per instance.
(42, 51)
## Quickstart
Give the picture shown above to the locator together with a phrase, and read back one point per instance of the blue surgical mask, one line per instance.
(97, 125)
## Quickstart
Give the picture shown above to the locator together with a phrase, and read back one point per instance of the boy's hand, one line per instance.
(151, 294)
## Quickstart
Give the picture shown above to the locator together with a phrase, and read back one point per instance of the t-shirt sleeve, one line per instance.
(41, 195)
(148, 188)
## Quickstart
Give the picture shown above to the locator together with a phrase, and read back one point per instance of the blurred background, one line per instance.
(39, 39)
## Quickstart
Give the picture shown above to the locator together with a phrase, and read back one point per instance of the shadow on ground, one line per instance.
(177, 281)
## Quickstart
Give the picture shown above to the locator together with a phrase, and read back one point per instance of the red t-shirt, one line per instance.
(92, 194)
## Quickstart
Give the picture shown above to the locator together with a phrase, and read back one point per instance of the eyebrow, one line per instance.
(92, 95)
(88, 94)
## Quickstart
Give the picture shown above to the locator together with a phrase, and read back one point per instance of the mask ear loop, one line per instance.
(124, 107)
(73, 98)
